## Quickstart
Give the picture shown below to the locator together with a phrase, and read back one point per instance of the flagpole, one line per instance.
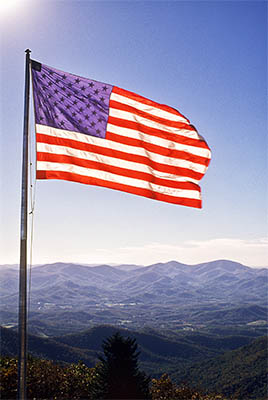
(22, 361)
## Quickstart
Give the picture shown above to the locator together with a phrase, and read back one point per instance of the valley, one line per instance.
(67, 298)
(193, 322)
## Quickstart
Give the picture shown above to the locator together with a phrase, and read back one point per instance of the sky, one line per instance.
(208, 59)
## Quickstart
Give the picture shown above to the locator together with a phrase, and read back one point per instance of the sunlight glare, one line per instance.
(7, 6)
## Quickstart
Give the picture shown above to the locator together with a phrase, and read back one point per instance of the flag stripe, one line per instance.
(128, 116)
(67, 176)
(128, 181)
(61, 155)
(121, 151)
(154, 132)
(156, 107)
(108, 160)
(154, 146)
(148, 109)
(126, 148)
(144, 114)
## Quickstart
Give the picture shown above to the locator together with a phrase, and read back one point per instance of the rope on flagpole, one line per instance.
(31, 213)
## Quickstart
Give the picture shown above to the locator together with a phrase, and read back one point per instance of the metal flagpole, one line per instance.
(22, 362)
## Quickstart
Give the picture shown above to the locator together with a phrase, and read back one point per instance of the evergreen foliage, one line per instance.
(117, 374)
(241, 373)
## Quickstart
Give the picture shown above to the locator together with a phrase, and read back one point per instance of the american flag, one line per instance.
(98, 134)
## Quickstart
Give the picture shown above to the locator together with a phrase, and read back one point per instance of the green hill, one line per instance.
(45, 348)
(240, 373)
(235, 366)
(159, 353)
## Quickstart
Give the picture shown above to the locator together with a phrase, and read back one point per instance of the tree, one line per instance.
(117, 374)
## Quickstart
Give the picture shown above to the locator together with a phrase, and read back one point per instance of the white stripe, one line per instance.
(105, 143)
(158, 112)
(131, 133)
(107, 176)
(128, 116)
(116, 162)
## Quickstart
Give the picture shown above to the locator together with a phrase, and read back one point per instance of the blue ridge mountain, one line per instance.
(167, 295)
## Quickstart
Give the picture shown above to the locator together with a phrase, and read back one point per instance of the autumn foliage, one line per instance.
(47, 380)
(165, 389)
(116, 376)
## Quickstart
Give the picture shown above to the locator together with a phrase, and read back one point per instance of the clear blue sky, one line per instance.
(205, 58)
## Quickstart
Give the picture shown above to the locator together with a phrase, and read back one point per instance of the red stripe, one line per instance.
(89, 164)
(112, 185)
(173, 137)
(174, 170)
(133, 110)
(146, 101)
(164, 151)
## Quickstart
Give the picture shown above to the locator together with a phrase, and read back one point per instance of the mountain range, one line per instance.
(70, 297)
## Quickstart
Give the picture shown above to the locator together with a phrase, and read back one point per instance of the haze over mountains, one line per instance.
(205, 324)
(70, 297)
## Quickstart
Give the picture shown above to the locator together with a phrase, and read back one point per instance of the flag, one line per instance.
(99, 134)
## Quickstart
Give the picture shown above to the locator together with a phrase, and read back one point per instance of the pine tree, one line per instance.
(117, 374)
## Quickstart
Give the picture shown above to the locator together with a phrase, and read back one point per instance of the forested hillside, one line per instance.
(195, 323)
(241, 373)
(231, 365)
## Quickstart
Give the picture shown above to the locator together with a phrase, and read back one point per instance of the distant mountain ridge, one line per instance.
(164, 294)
